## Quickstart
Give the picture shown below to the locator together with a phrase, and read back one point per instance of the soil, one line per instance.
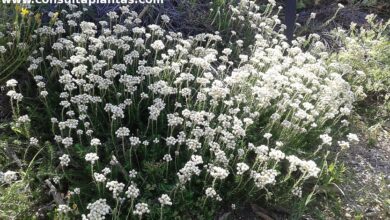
(367, 189)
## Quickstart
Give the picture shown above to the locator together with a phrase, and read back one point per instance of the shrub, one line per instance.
(365, 59)
(146, 123)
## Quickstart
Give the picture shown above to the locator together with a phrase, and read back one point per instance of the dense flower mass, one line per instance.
(8, 177)
(148, 115)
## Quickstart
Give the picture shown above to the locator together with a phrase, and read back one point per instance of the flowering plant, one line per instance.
(143, 120)
(365, 59)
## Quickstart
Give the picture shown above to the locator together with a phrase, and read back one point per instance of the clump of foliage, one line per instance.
(138, 122)
(17, 38)
(365, 55)
(15, 200)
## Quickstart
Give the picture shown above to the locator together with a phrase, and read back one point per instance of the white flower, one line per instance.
(2, 48)
(267, 135)
(133, 173)
(227, 51)
(174, 120)
(141, 209)
(112, 15)
(106, 170)
(167, 158)
(95, 142)
(343, 144)
(189, 169)
(76, 191)
(265, 177)
(14, 95)
(64, 160)
(193, 144)
(276, 155)
(8, 177)
(158, 45)
(134, 141)
(243, 58)
(88, 28)
(297, 191)
(210, 192)
(326, 139)
(122, 132)
(242, 168)
(11, 83)
(98, 209)
(63, 209)
(353, 138)
(132, 192)
(56, 179)
(44, 94)
(309, 168)
(116, 188)
(99, 177)
(165, 200)
(345, 111)
(156, 108)
(165, 18)
(294, 162)
(67, 142)
(108, 54)
(33, 141)
(272, 2)
(91, 157)
(219, 172)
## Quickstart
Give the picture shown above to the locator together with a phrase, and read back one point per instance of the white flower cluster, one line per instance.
(264, 178)
(63, 209)
(242, 168)
(91, 157)
(211, 193)
(352, 138)
(141, 209)
(165, 200)
(64, 160)
(34, 141)
(116, 188)
(98, 210)
(297, 191)
(132, 192)
(219, 173)
(8, 177)
(190, 168)
(95, 142)
(99, 177)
